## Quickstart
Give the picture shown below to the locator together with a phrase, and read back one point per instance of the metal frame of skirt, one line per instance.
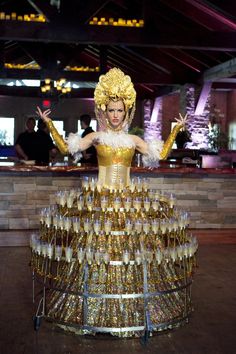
(147, 327)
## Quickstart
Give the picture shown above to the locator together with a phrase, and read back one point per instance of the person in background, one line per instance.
(182, 138)
(43, 147)
(89, 155)
(24, 141)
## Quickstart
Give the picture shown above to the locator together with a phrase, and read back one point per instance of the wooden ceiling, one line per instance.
(182, 41)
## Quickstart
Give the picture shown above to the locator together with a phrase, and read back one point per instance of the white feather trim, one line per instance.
(74, 148)
(115, 139)
(73, 142)
(151, 159)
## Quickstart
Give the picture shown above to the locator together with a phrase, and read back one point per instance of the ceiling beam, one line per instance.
(226, 86)
(83, 12)
(213, 14)
(46, 54)
(22, 74)
(48, 32)
(203, 14)
(145, 60)
(43, 7)
(223, 70)
(24, 91)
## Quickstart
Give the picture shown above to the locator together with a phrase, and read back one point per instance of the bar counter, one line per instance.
(165, 168)
(209, 195)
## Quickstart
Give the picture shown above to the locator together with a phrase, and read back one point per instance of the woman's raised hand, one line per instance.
(182, 120)
(44, 115)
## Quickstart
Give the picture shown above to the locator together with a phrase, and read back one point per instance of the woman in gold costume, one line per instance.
(116, 255)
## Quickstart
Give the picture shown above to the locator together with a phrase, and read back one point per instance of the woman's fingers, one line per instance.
(178, 120)
(43, 114)
(181, 119)
(39, 112)
(48, 111)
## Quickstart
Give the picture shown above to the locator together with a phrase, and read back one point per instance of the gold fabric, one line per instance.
(169, 142)
(58, 139)
(108, 155)
(114, 165)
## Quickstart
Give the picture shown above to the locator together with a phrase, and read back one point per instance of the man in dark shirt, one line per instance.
(89, 155)
(43, 146)
(182, 138)
(24, 141)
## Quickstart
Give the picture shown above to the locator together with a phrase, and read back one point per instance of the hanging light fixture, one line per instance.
(52, 87)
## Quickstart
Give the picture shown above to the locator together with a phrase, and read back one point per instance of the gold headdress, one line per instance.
(115, 85)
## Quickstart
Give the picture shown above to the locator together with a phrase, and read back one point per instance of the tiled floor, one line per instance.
(212, 328)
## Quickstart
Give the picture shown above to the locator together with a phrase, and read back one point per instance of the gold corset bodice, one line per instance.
(114, 165)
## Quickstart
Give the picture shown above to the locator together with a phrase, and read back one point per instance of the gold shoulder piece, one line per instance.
(169, 142)
(60, 143)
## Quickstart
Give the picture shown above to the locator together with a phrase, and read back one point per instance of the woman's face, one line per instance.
(115, 113)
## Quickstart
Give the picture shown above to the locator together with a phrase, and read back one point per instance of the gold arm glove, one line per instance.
(169, 142)
(60, 143)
